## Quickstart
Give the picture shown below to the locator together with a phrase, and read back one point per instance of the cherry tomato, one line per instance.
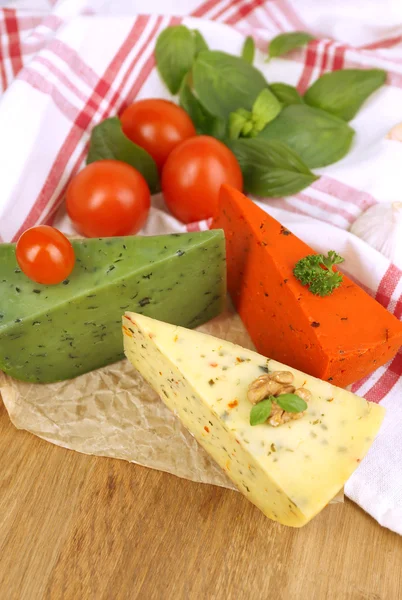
(158, 126)
(108, 198)
(193, 175)
(45, 255)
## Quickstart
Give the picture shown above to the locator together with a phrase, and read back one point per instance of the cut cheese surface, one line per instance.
(340, 338)
(289, 472)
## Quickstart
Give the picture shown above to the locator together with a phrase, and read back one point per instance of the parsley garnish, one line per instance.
(316, 271)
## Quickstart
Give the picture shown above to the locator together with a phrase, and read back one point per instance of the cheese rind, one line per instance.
(290, 472)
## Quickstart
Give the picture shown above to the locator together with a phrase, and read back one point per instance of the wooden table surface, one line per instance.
(80, 527)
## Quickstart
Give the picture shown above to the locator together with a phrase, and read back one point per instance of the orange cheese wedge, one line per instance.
(339, 338)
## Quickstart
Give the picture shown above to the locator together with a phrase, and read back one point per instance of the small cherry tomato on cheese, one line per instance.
(108, 198)
(45, 255)
(158, 126)
(192, 177)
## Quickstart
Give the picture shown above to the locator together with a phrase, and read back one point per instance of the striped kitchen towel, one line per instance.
(66, 65)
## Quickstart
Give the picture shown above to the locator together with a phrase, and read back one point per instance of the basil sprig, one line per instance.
(270, 168)
(343, 92)
(109, 142)
(276, 134)
(287, 402)
(285, 42)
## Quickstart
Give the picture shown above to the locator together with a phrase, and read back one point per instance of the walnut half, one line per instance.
(261, 388)
(279, 416)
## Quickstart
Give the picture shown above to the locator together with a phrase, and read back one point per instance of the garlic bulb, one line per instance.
(381, 227)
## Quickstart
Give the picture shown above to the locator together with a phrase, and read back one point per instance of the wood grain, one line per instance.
(76, 527)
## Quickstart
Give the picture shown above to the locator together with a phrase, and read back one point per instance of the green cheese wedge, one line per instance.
(52, 333)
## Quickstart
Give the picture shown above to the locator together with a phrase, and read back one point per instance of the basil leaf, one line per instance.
(244, 113)
(265, 109)
(319, 138)
(291, 403)
(270, 168)
(260, 412)
(248, 50)
(243, 123)
(247, 130)
(224, 83)
(236, 123)
(204, 122)
(174, 54)
(285, 42)
(287, 94)
(248, 124)
(343, 92)
(109, 142)
(199, 41)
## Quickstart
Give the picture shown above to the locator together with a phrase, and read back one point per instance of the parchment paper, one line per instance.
(113, 412)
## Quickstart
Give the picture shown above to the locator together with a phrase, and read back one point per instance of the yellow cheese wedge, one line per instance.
(289, 472)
